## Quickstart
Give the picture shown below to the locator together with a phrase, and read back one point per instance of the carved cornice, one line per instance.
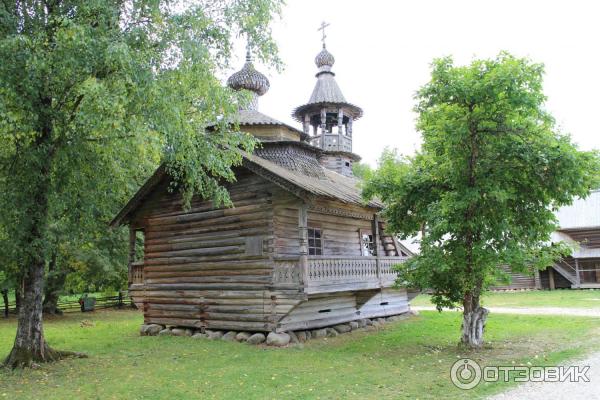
(339, 212)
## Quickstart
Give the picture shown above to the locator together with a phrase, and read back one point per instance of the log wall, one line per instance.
(340, 226)
(211, 268)
(234, 268)
(339, 307)
(518, 281)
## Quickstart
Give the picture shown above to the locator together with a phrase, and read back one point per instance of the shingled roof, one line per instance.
(326, 90)
(331, 185)
(256, 118)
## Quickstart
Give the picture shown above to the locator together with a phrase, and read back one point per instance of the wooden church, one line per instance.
(299, 250)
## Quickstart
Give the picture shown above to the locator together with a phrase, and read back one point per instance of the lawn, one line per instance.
(533, 298)
(406, 359)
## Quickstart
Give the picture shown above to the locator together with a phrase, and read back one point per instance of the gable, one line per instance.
(332, 186)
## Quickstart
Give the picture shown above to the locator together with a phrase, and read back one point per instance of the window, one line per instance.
(315, 242)
(366, 241)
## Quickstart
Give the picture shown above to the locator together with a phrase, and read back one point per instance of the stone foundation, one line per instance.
(272, 339)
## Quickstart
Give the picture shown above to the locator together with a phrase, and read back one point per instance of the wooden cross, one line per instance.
(322, 29)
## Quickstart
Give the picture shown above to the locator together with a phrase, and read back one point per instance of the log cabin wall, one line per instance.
(211, 268)
(214, 268)
(340, 163)
(340, 225)
(285, 225)
(517, 281)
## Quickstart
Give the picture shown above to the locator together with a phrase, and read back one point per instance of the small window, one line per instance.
(347, 164)
(315, 242)
(366, 241)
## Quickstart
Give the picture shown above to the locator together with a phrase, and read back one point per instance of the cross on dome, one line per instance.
(322, 29)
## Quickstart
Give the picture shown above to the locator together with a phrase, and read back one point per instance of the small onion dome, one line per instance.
(250, 79)
(324, 58)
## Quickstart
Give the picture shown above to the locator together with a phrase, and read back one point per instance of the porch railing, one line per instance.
(136, 273)
(580, 274)
(330, 274)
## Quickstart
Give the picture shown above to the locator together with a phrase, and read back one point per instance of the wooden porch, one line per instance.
(581, 273)
(318, 274)
(328, 274)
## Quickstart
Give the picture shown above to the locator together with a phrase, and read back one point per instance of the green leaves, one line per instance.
(95, 94)
(491, 171)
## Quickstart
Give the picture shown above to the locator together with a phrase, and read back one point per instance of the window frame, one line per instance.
(368, 251)
(314, 250)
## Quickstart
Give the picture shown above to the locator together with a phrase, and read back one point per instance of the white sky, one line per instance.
(383, 50)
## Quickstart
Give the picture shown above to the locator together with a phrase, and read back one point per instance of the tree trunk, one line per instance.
(30, 346)
(54, 285)
(5, 298)
(473, 325)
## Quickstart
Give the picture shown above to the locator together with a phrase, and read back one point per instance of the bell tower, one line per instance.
(327, 118)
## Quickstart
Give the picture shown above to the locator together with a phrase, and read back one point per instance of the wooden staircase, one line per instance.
(568, 272)
(576, 275)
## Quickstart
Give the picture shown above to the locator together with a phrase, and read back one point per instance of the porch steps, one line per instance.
(566, 271)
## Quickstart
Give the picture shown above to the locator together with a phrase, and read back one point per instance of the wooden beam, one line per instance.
(303, 242)
(376, 245)
(538, 281)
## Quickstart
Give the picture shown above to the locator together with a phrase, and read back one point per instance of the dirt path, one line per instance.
(581, 312)
(560, 390)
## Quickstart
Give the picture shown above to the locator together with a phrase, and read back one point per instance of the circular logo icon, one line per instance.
(465, 374)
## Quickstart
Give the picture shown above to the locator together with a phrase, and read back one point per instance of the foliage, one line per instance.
(361, 170)
(8, 269)
(115, 79)
(88, 255)
(404, 360)
(492, 170)
(92, 95)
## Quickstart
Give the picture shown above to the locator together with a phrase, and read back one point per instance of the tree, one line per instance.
(83, 82)
(482, 190)
(362, 171)
(83, 253)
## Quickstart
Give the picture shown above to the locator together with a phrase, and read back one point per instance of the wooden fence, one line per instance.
(120, 300)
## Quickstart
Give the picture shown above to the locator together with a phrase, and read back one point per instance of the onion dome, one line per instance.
(324, 58)
(249, 78)
(326, 91)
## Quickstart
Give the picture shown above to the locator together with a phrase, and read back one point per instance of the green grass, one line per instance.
(533, 298)
(406, 359)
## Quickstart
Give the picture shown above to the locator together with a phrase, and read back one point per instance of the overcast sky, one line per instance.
(383, 50)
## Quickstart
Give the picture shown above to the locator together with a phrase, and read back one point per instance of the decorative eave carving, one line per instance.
(340, 212)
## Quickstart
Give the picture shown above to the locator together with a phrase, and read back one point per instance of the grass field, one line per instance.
(406, 359)
(533, 298)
